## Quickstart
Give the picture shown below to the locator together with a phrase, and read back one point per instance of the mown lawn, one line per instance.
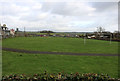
(59, 44)
(13, 63)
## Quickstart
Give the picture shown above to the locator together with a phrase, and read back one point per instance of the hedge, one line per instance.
(60, 77)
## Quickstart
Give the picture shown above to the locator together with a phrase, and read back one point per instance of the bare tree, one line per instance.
(100, 29)
(4, 25)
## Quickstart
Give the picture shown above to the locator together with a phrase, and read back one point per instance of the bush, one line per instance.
(60, 77)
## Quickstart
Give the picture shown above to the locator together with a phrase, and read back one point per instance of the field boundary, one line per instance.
(56, 53)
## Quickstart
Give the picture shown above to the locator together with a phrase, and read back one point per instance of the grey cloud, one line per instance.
(12, 9)
(61, 15)
(103, 6)
(65, 9)
(30, 18)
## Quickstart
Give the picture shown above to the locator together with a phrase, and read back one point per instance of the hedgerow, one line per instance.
(60, 77)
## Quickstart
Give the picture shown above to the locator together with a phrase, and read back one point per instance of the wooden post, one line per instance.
(110, 38)
(84, 39)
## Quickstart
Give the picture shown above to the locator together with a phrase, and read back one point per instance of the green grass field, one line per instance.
(59, 44)
(30, 64)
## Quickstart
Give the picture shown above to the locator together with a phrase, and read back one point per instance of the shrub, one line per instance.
(60, 77)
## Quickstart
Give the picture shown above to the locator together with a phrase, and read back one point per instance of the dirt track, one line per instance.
(56, 53)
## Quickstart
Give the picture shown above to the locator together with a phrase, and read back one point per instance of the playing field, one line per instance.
(21, 63)
(14, 63)
(59, 44)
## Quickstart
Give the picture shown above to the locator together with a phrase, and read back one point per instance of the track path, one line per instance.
(56, 53)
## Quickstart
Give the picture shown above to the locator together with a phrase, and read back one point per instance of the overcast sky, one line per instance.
(59, 16)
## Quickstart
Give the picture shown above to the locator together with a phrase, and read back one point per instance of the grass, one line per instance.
(59, 44)
(30, 64)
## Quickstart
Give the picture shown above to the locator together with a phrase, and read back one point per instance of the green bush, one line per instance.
(60, 77)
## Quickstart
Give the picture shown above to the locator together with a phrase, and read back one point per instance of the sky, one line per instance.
(58, 16)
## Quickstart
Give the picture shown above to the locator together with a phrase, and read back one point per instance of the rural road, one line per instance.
(56, 53)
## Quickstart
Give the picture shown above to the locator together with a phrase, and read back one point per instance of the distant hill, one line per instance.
(74, 32)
